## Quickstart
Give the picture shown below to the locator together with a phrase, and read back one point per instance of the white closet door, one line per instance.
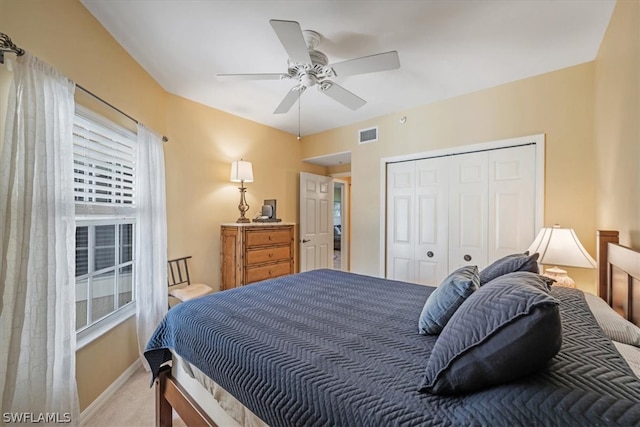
(463, 209)
(432, 207)
(511, 225)
(468, 203)
(400, 216)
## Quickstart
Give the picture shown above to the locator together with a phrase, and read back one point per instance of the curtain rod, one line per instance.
(6, 45)
(164, 138)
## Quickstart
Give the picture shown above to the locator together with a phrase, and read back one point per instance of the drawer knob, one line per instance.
(270, 254)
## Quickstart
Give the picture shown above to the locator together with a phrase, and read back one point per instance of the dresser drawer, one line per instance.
(260, 256)
(268, 237)
(255, 274)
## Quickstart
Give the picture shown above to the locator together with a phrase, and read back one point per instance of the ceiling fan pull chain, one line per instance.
(299, 101)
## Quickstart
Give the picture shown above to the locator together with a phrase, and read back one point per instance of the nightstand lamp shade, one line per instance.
(559, 246)
(242, 172)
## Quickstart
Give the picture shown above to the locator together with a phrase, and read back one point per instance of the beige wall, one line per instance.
(559, 104)
(617, 124)
(200, 196)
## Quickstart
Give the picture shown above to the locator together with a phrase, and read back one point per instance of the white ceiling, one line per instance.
(446, 48)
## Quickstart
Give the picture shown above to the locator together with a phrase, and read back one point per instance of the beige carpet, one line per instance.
(133, 405)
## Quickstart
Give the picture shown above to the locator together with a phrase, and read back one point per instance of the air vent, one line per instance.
(368, 135)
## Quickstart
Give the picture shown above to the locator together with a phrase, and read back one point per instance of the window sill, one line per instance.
(95, 331)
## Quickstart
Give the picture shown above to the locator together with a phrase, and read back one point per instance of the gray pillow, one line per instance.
(509, 264)
(446, 299)
(631, 355)
(616, 327)
(505, 330)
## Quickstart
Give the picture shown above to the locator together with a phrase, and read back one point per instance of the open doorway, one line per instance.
(339, 169)
(341, 224)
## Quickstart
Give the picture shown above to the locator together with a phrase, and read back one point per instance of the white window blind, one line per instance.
(104, 163)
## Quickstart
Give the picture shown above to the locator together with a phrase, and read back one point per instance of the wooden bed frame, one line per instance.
(619, 276)
(618, 284)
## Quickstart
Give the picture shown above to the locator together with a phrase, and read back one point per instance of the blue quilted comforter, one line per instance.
(334, 348)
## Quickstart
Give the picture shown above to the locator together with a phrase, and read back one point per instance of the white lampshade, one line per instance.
(560, 247)
(241, 171)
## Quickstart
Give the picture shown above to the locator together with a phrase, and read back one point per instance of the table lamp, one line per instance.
(560, 246)
(241, 171)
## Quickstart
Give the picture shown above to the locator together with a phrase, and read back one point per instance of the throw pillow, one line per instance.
(509, 264)
(631, 355)
(614, 326)
(446, 299)
(506, 330)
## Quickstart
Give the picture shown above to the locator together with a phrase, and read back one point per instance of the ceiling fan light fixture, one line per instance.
(308, 80)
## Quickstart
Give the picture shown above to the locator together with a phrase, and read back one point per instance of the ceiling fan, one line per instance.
(311, 67)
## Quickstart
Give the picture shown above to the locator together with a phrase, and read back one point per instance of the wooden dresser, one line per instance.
(254, 252)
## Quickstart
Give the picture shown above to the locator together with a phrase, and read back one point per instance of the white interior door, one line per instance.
(417, 209)
(316, 222)
(512, 189)
(400, 217)
(462, 208)
(432, 211)
(468, 203)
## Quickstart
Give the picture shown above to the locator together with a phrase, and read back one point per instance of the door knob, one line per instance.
(467, 258)
(430, 254)
(305, 240)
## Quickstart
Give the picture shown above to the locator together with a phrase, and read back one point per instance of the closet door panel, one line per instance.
(468, 203)
(463, 209)
(511, 200)
(400, 230)
(432, 223)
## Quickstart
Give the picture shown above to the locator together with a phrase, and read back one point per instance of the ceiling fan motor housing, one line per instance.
(310, 74)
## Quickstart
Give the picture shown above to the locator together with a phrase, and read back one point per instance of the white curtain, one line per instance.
(37, 246)
(151, 237)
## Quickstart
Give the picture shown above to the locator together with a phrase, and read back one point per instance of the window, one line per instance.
(104, 189)
(104, 269)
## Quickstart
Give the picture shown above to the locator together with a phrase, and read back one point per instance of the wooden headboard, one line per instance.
(619, 275)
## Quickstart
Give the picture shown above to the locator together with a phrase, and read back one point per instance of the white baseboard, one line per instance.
(110, 391)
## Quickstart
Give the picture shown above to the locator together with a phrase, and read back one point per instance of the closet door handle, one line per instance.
(306, 240)
(430, 254)
(467, 258)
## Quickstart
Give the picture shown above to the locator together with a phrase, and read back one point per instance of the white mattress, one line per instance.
(219, 404)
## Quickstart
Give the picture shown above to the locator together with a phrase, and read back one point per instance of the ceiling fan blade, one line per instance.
(290, 99)
(340, 94)
(290, 35)
(268, 76)
(367, 64)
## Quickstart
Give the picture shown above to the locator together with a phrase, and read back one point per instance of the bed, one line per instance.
(334, 348)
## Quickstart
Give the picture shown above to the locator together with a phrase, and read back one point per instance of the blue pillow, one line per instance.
(446, 299)
(506, 330)
(509, 264)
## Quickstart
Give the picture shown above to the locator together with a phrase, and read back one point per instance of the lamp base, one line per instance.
(243, 207)
(560, 276)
